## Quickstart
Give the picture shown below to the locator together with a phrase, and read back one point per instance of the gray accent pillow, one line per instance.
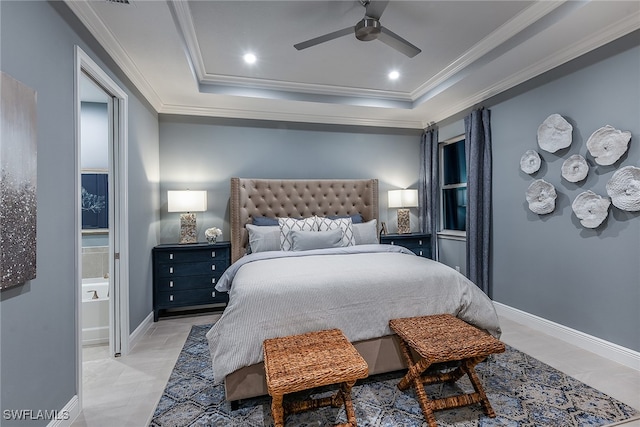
(307, 240)
(263, 238)
(366, 233)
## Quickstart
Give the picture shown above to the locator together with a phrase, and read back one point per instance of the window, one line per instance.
(453, 185)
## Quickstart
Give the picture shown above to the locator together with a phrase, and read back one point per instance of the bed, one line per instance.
(357, 288)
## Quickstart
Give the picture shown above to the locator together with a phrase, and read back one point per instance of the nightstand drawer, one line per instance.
(181, 283)
(180, 255)
(418, 243)
(192, 297)
(190, 268)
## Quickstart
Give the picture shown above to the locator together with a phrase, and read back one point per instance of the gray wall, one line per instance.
(203, 153)
(550, 265)
(37, 319)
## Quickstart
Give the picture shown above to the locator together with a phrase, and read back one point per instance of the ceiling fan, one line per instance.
(368, 28)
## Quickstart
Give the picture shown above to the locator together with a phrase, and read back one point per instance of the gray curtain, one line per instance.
(478, 155)
(429, 200)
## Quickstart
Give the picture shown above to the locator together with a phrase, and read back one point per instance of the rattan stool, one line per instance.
(438, 339)
(314, 359)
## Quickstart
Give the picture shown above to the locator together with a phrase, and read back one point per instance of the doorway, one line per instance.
(101, 211)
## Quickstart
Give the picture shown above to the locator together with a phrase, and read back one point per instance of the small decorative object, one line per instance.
(212, 234)
(403, 199)
(189, 202)
(608, 144)
(591, 208)
(624, 189)
(530, 162)
(554, 133)
(541, 197)
(575, 168)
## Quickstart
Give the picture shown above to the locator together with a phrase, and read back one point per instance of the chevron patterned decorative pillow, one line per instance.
(345, 224)
(289, 224)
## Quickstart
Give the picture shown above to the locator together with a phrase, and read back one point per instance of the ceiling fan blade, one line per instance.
(375, 8)
(390, 38)
(325, 38)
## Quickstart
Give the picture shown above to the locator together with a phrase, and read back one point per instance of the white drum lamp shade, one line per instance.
(188, 202)
(403, 200)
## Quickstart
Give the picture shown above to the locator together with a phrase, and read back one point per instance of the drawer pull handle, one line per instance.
(170, 270)
(393, 243)
(213, 294)
(213, 254)
(170, 297)
(420, 253)
(171, 283)
(213, 267)
(170, 256)
(420, 242)
(213, 280)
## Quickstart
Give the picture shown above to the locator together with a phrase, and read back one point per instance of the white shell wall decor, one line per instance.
(554, 133)
(608, 144)
(591, 208)
(624, 189)
(530, 162)
(541, 197)
(575, 168)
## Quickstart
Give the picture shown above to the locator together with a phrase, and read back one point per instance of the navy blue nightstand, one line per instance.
(418, 243)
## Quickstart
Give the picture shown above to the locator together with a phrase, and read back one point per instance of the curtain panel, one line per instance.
(428, 191)
(478, 156)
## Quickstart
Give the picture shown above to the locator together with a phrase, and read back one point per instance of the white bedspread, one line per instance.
(354, 291)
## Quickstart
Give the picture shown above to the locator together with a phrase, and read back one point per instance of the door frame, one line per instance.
(118, 211)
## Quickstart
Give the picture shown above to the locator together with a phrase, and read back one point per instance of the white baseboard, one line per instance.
(140, 330)
(68, 414)
(609, 350)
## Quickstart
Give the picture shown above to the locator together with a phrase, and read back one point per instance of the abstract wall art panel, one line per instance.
(18, 149)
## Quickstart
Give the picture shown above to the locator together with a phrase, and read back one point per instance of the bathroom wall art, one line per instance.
(575, 168)
(530, 162)
(17, 182)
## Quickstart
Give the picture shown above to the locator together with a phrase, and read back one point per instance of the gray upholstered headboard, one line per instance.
(296, 198)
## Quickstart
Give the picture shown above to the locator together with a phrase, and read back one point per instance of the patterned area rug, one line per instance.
(523, 391)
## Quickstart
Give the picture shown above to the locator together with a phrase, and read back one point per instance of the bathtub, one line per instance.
(95, 312)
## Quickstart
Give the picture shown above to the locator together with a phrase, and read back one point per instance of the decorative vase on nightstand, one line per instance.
(212, 239)
(212, 234)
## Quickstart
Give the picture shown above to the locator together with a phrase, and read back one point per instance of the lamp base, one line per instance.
(404, 226)
(188, 228)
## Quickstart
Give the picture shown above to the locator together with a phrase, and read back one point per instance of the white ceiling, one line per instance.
(185, 57)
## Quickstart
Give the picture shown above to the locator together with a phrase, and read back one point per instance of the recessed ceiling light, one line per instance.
(394, 75)
(249, 58)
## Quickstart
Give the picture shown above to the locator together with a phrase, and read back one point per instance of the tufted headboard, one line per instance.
(296, 198)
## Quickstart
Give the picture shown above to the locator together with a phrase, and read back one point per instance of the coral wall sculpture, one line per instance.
(555, 133)
(624, 189)
(530, 162)
(591, 208)
(541, 197)
(608, 144)
(575, 168)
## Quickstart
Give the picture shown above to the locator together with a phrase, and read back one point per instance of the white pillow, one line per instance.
(307, 240)
(263, 238)
(345, 224)
(288, 224)
(366, 233)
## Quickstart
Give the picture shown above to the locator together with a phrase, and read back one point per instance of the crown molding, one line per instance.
(290, 117)
(106, 39)
(523, 20)
(608, 34)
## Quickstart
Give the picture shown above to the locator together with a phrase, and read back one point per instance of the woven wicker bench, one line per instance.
(440, 339)
(315, 359)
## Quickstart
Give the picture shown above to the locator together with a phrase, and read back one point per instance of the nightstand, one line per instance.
(418, 243)
(186, 275)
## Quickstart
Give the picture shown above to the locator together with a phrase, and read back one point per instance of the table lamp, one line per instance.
(188, 202)
(403, 200)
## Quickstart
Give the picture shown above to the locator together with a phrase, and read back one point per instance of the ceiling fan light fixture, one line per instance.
(368, 29)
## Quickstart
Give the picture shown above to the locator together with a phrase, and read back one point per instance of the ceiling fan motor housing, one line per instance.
(367, 29)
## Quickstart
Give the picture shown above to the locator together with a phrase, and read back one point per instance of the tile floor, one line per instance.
(124, 391)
